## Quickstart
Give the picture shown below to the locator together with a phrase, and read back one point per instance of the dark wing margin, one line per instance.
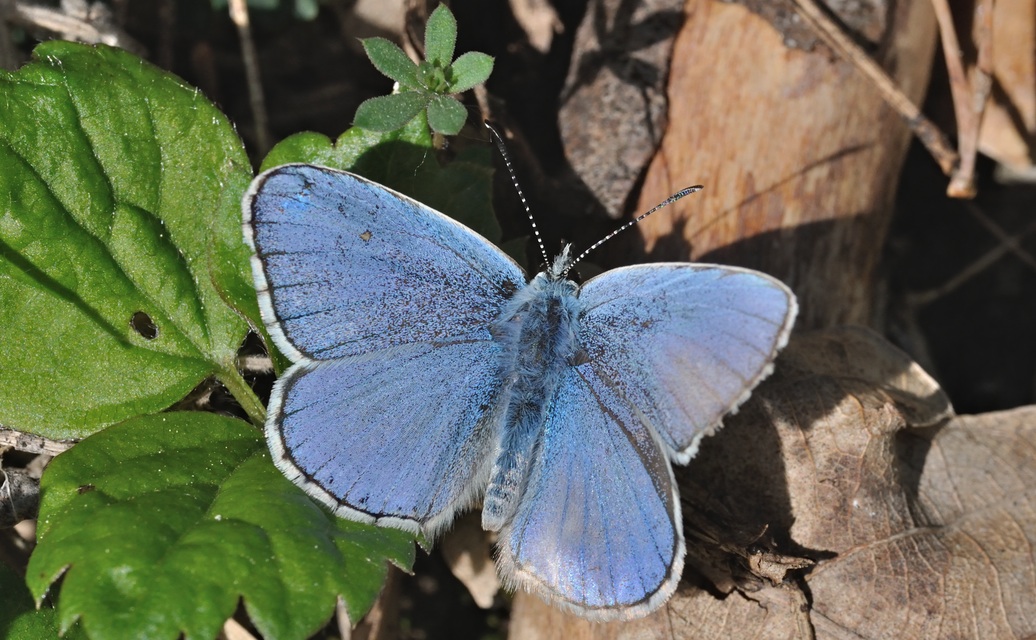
(399, 438)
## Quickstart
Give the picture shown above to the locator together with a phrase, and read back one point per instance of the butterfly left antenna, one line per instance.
(670, 200)
(499, 140)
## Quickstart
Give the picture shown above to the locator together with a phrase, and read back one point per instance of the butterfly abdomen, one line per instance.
(537, 330)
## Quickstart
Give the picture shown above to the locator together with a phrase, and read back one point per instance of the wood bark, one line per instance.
(799, 155)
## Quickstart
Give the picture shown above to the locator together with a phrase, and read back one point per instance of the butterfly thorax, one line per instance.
(538, 330)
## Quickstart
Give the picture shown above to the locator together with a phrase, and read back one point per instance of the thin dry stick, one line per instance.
(77, 28)
(8, 55)
(981, 85)
(962, 182)
(1012, 243)
(239, 14)
(255, 364)
(969, 96)
(345, 627)
(482, 100)
(32, 443)
(929, 134)
(234, 630)
(167, 18)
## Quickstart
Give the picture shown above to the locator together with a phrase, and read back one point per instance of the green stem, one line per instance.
(242, 392)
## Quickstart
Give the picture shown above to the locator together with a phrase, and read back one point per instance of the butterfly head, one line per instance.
(558, 270)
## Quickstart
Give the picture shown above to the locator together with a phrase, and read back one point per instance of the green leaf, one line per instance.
(162, 523)
(470, 70)
(311, 148)
(388, 113)
(405, 160)
(446, 115)
(390, 60)
(433, 78)
(440, 37)
(122, 191)
(19, 618)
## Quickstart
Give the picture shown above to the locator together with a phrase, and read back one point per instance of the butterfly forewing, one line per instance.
(684, 343)
(345, 266)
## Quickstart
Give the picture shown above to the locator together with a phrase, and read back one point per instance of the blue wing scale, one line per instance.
(355, 436)
(345, 266)
(372, 295)
(684, 343)
(598, 530)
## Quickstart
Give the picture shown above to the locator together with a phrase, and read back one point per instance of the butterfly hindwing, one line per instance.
(598, 528)
(358, 435)
(684, 343)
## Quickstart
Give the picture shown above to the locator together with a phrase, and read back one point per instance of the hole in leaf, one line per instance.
(144, 325)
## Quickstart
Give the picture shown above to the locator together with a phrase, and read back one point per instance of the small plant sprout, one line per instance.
(428, 86)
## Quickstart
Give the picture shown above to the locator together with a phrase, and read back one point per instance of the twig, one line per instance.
(930, 136)
(239, 15)
(32, 443)
(234, 630)
(969, 97)
(255, 364)
(482, 100)
(1010, 244)
(345, 627)
(78, 28)
(415, 17)
(8, 55)
(982, 74)
(962, 182)
(539, 20)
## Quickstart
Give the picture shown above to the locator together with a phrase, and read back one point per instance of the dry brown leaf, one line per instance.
(846, 501)
(539, 20)
(468, 553)
(613, 106)
(958, 563)
(1008, 132)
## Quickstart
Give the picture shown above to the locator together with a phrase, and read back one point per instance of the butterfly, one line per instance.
(430, 374)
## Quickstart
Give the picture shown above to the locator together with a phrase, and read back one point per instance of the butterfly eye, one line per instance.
(144, 325)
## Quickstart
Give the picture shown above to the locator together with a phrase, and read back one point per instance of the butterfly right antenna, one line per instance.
(668, 201)
(499, 140)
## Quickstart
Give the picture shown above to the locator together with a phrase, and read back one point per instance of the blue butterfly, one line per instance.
(430, 374)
